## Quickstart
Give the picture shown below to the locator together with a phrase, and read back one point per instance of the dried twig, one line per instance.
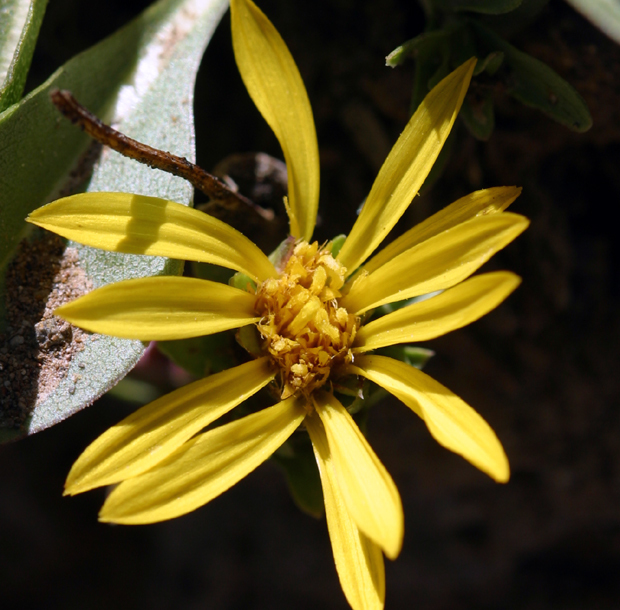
(158, 159)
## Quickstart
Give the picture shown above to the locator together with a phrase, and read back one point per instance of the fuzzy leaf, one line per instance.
(20, 21)
(604, 14)
(141, 78)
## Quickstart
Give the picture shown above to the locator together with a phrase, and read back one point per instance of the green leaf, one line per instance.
(535, 84)
(141, 78)
(20, 21)
(604, 14)
(490, 64)
(486, 7)
(427, 44)
(510, 24)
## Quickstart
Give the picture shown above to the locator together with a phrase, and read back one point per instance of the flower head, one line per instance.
(312, 315)
(304, 328)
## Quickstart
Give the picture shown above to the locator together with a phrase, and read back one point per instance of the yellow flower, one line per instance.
(309, 309)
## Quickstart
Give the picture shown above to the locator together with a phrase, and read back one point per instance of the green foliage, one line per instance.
(20, 21)
(535, 84)
(142, 77)
(460, 29)
(485, 7)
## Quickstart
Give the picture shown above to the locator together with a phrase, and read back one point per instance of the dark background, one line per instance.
(543, 369)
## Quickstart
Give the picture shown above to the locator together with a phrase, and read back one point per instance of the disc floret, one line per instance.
(304, 329)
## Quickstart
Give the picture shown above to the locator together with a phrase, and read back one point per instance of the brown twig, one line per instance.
(158, 159)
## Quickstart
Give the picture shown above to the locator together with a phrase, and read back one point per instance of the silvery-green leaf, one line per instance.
(20, 21)
(140, 79)
(604, 14)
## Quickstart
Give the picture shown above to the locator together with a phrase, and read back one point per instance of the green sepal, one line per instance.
(296, 458)
(215, 273)
(357, 395)
(242, 281)
(202, 356)
(351, 392)
(336, 244)
(409, 354)
(490, 64)
(281, 254)
(249, 339)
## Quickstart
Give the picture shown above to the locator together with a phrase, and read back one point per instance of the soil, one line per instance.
(37, 347)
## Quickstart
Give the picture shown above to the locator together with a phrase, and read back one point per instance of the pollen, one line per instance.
(302, 326)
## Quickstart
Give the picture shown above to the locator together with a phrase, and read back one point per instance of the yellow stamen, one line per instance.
(304, 329)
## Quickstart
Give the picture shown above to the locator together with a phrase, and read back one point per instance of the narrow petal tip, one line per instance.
(501, 472)
(104, 517)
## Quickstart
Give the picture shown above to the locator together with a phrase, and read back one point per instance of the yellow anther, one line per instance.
(305, 331)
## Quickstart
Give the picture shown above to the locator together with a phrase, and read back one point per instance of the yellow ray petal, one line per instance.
(153, 432)
(436, 264)
(368, 490)
(407, 166)
(135, 224)
(273, 81)
(204, 467)
(451, 421)
(480, 203)
(358, 560)
(439, 315)
(161, 308)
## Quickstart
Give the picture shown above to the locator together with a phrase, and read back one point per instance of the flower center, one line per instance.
(303, 327)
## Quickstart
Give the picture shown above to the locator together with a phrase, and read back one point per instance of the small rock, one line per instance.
(16, 340)
(51, 332)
